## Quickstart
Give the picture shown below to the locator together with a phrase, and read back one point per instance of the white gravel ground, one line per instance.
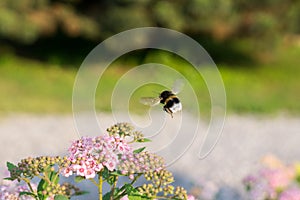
(244, 141)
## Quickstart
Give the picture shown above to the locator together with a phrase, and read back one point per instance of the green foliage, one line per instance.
(139, 150)
(293, 18)
(11, 166)
(78, 179)
(106, 196)
(27, 194)
(144, 140)
(44, 169)
(168, 14)
(264, 89)
(60, 197)
(41, 186)
(109, 177)
(26, 21)
(265, 22)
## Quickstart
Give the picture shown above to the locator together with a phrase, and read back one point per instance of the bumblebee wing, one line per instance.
(150, 101)
(177, 86)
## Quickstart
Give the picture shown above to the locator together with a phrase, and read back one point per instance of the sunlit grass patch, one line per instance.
(36, 87)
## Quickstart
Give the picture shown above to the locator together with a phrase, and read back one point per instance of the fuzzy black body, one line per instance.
(171, 102)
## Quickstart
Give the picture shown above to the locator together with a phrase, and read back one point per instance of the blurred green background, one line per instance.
(255, 44)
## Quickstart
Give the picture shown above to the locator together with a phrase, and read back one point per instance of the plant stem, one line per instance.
(135, 178)
(30, 187)
(94, 182)
(100, 186)
(45, 177)
(28, 183)
(162, 197)
(113, 188)
(122, 191)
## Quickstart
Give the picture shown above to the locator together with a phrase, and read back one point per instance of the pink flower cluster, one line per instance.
(290, 194)
(275, 181)
(90, 155)
(9, 190)
(190, 197)
(277, 178)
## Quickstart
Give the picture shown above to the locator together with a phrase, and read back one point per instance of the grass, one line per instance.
(28, 86)
(35, 87)
(270, 88)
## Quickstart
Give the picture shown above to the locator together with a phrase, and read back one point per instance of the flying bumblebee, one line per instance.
(171, 102)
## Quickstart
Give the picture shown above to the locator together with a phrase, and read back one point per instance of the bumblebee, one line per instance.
(171, 102)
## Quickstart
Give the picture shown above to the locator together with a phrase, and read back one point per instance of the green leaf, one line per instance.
(111, 179)
(105, 173)
(9, 179)
(53, 175)
(116, 173)
(134, 198)
(78, 179)
(60, 197)
(133, 192)
(41, 196)
(139, 150)
(10, 166)
(41, 186)
(106, 196)
(80, 193)
(26, 193)
(108, 176)
(129, 188)
(12, 169)
(144, 140)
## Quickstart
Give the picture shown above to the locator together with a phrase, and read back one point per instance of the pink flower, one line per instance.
(88, 156)
(277, 178)
(250, 181)
(131, 176)
(80, 170)
(98, 167)
(191, 197)
(111, 165)
(67, 172)
(90, 162)
(124, 198)
(290, 194)
(90, 173)
(122, 147)
(118, 139)
(109, 142)
(13, 189)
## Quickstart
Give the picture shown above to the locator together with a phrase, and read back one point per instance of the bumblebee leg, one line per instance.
(169, 111)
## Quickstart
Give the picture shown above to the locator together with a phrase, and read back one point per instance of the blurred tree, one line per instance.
(27, 20)
(259, 23)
